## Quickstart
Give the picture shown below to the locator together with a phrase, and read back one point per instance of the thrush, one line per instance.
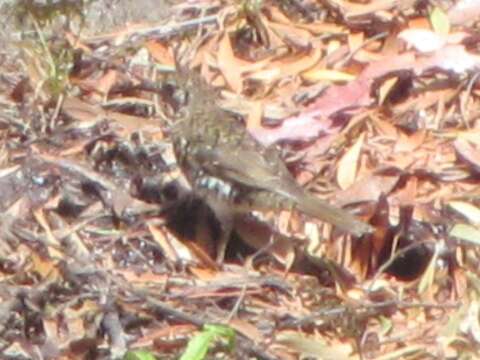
(234, 172)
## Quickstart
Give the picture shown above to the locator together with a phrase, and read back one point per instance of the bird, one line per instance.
(231, 170)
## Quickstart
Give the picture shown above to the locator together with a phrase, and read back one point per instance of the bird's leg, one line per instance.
(223, 241)
(224, 215)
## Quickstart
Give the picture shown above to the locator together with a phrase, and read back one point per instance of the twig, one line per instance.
(158, 32)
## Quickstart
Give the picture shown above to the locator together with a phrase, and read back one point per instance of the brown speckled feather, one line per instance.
(220, 157)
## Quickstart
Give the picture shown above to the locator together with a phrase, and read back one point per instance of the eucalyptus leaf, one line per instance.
(469, 211)
(440, 22)
(198, 346)
(466, 233)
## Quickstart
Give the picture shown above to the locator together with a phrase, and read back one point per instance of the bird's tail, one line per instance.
(317, 208)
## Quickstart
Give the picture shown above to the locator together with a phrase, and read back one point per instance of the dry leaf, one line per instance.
(368, 188)
(171, 247)
(315, 75)
(470, 211)
(161, 53)
(348, 164)
(45, 268)
(385, 89)
(229, 65)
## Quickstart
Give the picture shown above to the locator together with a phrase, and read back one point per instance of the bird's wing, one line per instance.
(248, 167)
(251, 168)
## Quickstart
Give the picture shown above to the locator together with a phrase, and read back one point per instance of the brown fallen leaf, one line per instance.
(229, 65)
(348, 164)
(468, 153)
(368, 188)
(85, 114)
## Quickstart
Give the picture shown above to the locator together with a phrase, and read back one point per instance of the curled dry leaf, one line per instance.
(348, 164)
(468, 153)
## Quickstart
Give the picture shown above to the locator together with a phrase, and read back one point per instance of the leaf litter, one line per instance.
(105, 252)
